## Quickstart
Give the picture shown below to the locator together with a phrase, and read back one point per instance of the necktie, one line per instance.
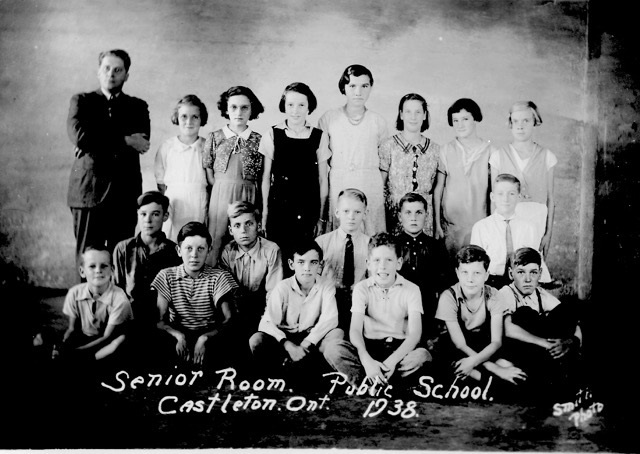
(347, 275)
(246, 269)
(94, 308)
(509, 240)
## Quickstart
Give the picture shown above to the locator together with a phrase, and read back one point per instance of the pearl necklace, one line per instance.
(355, 121)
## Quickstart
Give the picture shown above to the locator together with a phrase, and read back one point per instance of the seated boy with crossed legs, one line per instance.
(386, 316)
(300, 322)
(543, 335)
(474, 315)
(196, 302)
(98, 311)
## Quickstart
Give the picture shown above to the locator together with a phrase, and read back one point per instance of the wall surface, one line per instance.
(495, 52)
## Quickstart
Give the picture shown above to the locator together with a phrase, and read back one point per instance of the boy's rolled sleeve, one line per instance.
(447, 308)
(359, 298)
(70, 307)
(328, 319)
(121, 311)
(497, 304)
(414, 301)
(161, 284)
(508, 300)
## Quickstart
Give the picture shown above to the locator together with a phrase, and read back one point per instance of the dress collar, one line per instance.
(228, 133)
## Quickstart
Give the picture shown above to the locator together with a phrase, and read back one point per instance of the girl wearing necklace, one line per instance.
(533, 165)
(409, 160)
(355, 133)
(295, 177)
(462, 181)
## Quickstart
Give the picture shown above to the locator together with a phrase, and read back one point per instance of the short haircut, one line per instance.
(242, 207)
(354, 194)
(413, 97)
(508, 178)
(411, 197)
(95, 247)
(121, 54)
(190, 100)
(524, 256)
(472, 254)
(301, 247)
(303, 89)
(385, 239)
(194, 229)
(153, 197)
(256, 106)
(355, 71)
(464, 104)
(526, 105)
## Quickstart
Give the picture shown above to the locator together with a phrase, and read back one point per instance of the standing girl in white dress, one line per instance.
(178, 167)
(355, 133)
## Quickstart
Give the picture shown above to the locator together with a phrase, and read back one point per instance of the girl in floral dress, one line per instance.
(409, 160)
(232, 161)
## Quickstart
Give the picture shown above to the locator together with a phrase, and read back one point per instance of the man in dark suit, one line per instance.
(109, 130)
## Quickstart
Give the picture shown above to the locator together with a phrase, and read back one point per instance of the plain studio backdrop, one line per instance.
(572, 58)
(494, 52)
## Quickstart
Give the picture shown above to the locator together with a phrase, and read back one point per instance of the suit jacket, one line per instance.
(104, 165)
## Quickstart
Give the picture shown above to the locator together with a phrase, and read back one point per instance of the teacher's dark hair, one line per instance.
(121, 54)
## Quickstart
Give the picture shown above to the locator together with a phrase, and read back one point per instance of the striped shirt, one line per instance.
(193, 303)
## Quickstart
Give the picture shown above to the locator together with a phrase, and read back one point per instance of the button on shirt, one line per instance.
(333, 244)
(490, 234)
(423, 260)
(111, 308)
(257, 270)
(290, 311)
(386, 310)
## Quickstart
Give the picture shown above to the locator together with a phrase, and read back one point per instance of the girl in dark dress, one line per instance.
(294, 183)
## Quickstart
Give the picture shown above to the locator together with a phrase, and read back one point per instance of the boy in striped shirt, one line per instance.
(196, 301)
